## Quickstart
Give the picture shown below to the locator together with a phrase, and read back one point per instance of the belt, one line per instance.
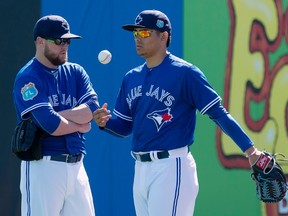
(147, 156)
(65, 158)
(157, 155)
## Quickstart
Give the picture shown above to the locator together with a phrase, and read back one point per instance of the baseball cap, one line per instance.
(151, 19)
(53, 27)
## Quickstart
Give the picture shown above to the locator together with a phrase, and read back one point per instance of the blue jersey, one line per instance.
(161, 102)
(37, 86)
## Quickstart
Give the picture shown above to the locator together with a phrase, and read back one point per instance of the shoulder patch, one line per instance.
(29, 91)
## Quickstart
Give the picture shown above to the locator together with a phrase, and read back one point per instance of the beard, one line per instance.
(56, 59)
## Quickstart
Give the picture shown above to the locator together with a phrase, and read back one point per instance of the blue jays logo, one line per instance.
(160, 117)
(160, 23)
(138, 20)
(29, 91)
(65, 26)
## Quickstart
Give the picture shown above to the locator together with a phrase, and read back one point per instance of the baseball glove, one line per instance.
(269, 177)
(26, 141)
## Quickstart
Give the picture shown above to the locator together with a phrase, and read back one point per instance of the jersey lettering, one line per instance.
(66, 100)
(160, 96)
(53, 99)
(134, 93)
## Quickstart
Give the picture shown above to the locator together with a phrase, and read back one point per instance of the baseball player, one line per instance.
(157, 103)
(58, 96)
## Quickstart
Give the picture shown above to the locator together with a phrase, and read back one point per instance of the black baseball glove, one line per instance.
(269, 177)
(26, 141)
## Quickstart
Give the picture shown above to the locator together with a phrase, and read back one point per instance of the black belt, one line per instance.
(147, 158)
(66, 158)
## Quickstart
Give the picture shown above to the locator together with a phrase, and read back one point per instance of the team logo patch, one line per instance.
(138, 20)
(65, 26)
(160, 117)
(160, 24)
(29, 91)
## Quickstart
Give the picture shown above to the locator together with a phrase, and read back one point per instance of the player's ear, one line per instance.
(39, 40)
(165, 36)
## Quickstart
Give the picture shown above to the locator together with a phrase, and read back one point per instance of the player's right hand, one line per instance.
(102, 115)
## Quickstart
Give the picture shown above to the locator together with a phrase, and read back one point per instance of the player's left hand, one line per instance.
(102, 115)
(269, 178)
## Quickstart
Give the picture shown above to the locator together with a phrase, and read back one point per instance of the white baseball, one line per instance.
(104, 56)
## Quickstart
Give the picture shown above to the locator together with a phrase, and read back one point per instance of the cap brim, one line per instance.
(69, 35)
(132, 27)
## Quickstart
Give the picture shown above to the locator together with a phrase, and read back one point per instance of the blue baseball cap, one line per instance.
(151, 19)
(53, 27)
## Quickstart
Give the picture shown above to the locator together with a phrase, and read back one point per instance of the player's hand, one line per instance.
(102, 115)
(84, 128)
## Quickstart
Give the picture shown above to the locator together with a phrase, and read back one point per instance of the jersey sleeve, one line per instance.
(119, 127)
(29, 95)
(86, 90)
(229, 126)
(198, 91)
(122, 107)
(87, 93)
(79, 87)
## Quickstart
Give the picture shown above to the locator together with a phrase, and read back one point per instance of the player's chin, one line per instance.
(140, 52)
(63, 58)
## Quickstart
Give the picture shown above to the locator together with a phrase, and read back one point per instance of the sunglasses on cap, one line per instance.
(142, 33)
(60, 41)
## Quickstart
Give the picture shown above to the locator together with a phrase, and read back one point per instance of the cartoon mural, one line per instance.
(256, 82)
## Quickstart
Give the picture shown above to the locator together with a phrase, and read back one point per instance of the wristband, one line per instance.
(252, 153)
